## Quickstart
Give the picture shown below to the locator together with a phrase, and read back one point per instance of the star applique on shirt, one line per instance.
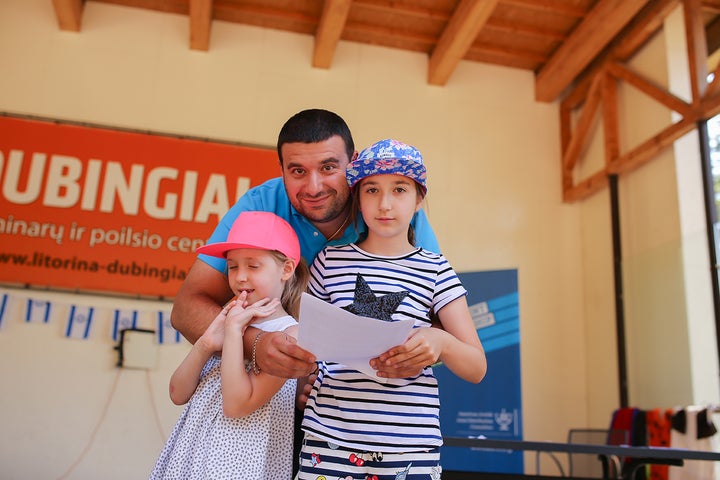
(367, 304)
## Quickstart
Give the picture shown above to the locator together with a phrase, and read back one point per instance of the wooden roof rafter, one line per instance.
(644, 26)
(558, 6)
(705, 104)
(200, 22)
(621, 72)
(516, 33)
(611, 125)
(464, 26)
(68, 14)
(712, 5)
(576, 139)
(516, 54)
(576, 49)
(586, 42)
(330, 28)
(528, 31)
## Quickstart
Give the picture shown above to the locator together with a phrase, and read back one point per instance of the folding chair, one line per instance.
(586, 465)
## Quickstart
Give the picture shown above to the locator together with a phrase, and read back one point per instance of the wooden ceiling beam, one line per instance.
(697, 48)
(582, 129)
(68, 14)
(611, 120)
(712, 34)
(556, 6)
(363, 29)
(711, 5)
(566, 174)
(591, 185)
(330, 28)
(528, 31)
(650, 148)
(642, 28)
(459, 35)
(636, 34)
(631, 160)
(405, 9)
(649, 88)
(262, 15)
(587, 40)
(480, 51)
(200, 23)
(705, 104)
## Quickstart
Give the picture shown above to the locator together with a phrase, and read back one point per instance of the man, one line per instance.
(314, 147)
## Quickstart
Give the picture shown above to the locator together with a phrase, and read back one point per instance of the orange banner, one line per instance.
(95, 209)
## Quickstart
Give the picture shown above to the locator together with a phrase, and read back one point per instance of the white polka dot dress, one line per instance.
(205, 444)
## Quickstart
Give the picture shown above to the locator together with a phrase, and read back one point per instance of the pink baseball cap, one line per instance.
(262, 230)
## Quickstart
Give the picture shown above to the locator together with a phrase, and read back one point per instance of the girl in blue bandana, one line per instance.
(370, 428)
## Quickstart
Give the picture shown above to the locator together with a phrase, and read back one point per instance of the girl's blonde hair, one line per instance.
(294, 286)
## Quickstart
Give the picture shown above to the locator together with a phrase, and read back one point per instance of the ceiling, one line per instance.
(556, 39)
(578, 51)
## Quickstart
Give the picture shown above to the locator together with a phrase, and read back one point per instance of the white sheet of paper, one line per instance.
(336, 335)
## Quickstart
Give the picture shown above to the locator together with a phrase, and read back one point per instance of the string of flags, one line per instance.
(83, 322)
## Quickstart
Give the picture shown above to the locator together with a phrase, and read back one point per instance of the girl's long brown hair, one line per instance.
(355, 208)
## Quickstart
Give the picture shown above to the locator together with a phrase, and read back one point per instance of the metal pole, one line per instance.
(619, 295)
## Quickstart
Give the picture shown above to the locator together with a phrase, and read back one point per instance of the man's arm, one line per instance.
(424, 234)
(199, 300)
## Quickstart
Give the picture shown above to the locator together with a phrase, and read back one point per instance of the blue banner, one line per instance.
(493, 407)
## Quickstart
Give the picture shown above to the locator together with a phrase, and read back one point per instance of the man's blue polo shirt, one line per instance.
(272, 197)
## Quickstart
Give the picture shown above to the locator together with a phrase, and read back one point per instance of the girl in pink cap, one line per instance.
(367, 428)
(238, 422)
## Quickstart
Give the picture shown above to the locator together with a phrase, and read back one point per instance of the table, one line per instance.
(640, 455)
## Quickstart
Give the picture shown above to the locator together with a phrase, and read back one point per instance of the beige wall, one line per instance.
(494, 201)
(672, 352)
(669, 318)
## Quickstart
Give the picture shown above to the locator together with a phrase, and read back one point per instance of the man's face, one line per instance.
(314, 177)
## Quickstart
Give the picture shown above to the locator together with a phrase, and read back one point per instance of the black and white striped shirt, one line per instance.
(351, 409)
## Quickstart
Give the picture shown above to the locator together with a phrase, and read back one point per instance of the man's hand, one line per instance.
(304, 387)
(278, 354)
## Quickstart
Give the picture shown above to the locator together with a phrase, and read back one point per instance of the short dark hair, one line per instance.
(312, 126)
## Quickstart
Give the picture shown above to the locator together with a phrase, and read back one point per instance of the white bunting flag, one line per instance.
(4, 302)
(79, 322)
(123, 319)
(38, 311)
(165, 331)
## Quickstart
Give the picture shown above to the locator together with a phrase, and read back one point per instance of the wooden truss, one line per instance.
(596, 95)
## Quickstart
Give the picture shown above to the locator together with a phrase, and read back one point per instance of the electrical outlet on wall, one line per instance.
(137, 349)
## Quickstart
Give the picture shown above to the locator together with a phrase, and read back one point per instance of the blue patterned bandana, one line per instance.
(388, 157)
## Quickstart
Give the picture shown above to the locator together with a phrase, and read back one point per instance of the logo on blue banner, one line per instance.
(492, 408)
